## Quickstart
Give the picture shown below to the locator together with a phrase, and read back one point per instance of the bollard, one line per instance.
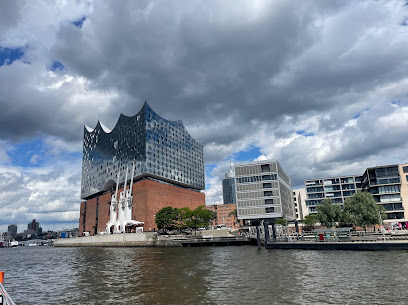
(266, 230)
(2, 277)
(273, 230)
(258, 238)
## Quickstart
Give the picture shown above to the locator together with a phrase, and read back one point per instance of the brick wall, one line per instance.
(148, 198)
(223, 211)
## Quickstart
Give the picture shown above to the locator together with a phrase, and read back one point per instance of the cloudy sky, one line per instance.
(322, 86)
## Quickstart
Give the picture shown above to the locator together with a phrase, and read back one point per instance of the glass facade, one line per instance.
(385, 185)
(228, 191)
(160, 148)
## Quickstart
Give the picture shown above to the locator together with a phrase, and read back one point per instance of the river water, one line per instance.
(206, 275)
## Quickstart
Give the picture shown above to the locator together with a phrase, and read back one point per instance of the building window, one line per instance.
(266, 177)
(268, 193)
(405, 169)
(406, 177)
(265, 168)
(270, 210)
(269, 185)
(268, 201)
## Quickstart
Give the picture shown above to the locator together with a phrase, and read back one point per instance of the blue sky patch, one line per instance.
(27, 154)
(209, 168)
(78, 23)
(56, 65)
(35, 153)
(9, 55)
(357, 116)
(305, 133)
(250, 154)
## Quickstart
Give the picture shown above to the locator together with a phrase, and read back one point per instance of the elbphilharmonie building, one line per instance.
(165, 155)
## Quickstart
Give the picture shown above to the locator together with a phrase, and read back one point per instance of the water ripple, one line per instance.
(225, 275)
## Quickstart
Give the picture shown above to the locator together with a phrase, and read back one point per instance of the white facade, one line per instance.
(299, 199)
(263, 191)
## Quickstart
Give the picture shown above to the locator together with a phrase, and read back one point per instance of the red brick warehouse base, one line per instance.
(148, 198)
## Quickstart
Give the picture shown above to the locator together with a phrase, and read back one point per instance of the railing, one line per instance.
(5, 299)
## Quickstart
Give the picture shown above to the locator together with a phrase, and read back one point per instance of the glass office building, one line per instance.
(228, 188)
(162, 150)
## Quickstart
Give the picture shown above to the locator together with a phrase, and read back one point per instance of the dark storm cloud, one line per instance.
(9, 14)
(194, 60)
(205, 61)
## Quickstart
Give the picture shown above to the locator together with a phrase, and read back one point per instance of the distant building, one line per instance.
(223, 215)
(263, 191)
(335, 188)
(34, 226)
(299, 199)
(389, 186)
(28, 233)
(12, 230)
(228, 188)
(169, 168)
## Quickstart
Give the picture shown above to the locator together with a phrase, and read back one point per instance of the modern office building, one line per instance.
(169, 168)
(263, 191)
(12, 230)
(299, 200)
(335, 188)
(228, 188)
(389, 186)
(224, 217)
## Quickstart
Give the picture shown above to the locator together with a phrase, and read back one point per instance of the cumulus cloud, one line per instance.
(49, 194)
(319, 85)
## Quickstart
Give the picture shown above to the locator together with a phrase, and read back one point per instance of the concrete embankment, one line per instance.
(118, 240)
(356, 246)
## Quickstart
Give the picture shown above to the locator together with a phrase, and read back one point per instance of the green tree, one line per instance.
(166, 218)
(184, 215)
(362, 210)
(199, 217)
(328, 213)
(202, 217)
(280, 221)
(234, 213)
(346, 219)
(310, 220)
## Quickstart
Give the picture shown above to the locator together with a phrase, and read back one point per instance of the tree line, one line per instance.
(359, 210)
(170, 218)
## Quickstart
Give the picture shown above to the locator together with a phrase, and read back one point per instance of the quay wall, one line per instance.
(117, 240)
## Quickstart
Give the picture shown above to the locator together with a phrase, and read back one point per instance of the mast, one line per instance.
(131, 181)
(124, 188)
(117, 184)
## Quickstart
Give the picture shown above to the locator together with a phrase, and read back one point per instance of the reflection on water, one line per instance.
(226, 275)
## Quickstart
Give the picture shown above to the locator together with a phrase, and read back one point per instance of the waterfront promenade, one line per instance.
(151, 239)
